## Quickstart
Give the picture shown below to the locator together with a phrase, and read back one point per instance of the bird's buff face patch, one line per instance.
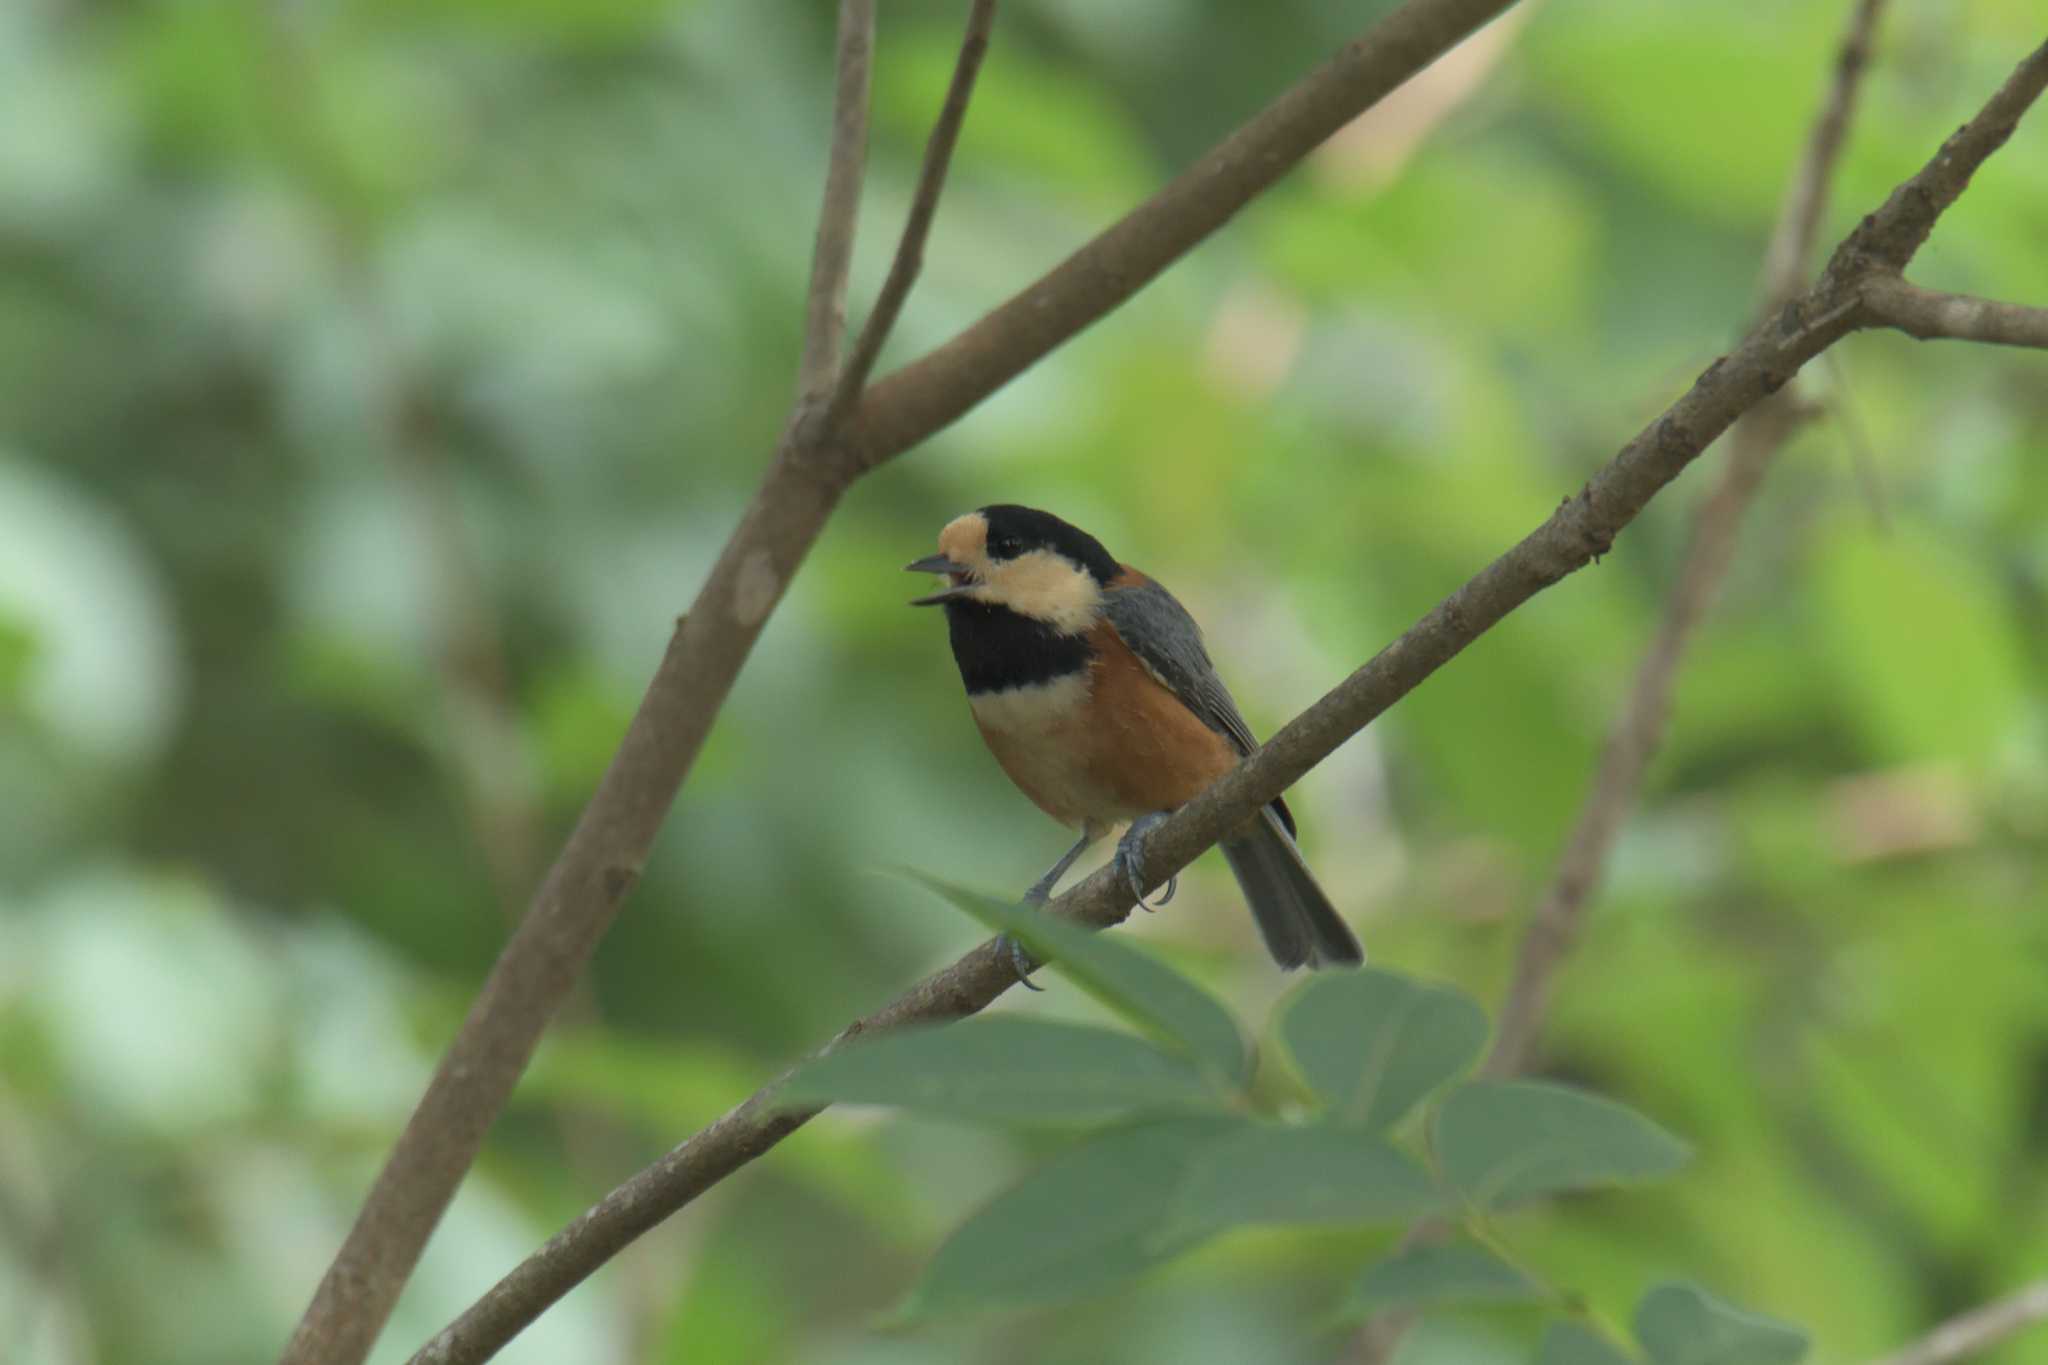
(1039, 583)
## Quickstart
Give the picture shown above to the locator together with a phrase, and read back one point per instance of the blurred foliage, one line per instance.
(378, 379)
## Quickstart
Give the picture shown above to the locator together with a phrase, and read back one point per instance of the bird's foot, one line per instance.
(1130, 856)
(1021, 962)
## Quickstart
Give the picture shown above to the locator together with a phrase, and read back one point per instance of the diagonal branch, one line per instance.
(1581, 529)
(1553, 926)
(1889, 239)
(832, 252)
(1930, 315)
(938, 156)
(813, 465)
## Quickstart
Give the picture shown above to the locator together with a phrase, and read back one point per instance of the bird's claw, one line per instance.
(1130, 854)
(1021, 962)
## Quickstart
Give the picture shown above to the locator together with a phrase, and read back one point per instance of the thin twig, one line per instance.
(1806, 198)
(1931, 315)
(832, 252)
(931, 180)
(1571, 537)
(1637, 733)
(1977, 1330)
(594, 872)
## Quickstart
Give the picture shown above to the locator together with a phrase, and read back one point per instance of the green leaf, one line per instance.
(1374, 1042)
(1268, 1173)
(1568, 1343)
(1093, 1216)
(1682, 1324)
(1008, 1069)
(1505, 1141)
(1148, 993)
(1427, 1275)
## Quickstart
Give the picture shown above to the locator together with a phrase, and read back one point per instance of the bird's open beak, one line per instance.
(940, 564)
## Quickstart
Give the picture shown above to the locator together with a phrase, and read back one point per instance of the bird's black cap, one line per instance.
(1014, 530)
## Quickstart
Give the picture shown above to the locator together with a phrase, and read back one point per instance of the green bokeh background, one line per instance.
(378, 379)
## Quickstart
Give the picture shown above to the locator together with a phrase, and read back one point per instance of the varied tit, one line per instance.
(1091, 686)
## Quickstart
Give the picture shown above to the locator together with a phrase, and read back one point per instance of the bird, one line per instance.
(1091, 686)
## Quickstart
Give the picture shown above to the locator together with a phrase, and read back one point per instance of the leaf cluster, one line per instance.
(1176, 1147)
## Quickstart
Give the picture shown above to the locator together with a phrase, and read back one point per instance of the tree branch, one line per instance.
(1930, 315)
(814, 463)
(1887, 240)
(832, 252)
(938, 155)
(1977, 1330)
(1553, 926)
(1581, 529)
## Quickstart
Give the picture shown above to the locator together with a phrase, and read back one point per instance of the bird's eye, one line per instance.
(1006, 547)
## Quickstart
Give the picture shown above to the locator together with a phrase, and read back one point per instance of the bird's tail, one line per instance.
(1300, 925)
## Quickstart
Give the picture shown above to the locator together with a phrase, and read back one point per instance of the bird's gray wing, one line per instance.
(1296, 917)
(1169, 643)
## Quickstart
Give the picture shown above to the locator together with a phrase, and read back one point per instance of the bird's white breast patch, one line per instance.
(1040, 709)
